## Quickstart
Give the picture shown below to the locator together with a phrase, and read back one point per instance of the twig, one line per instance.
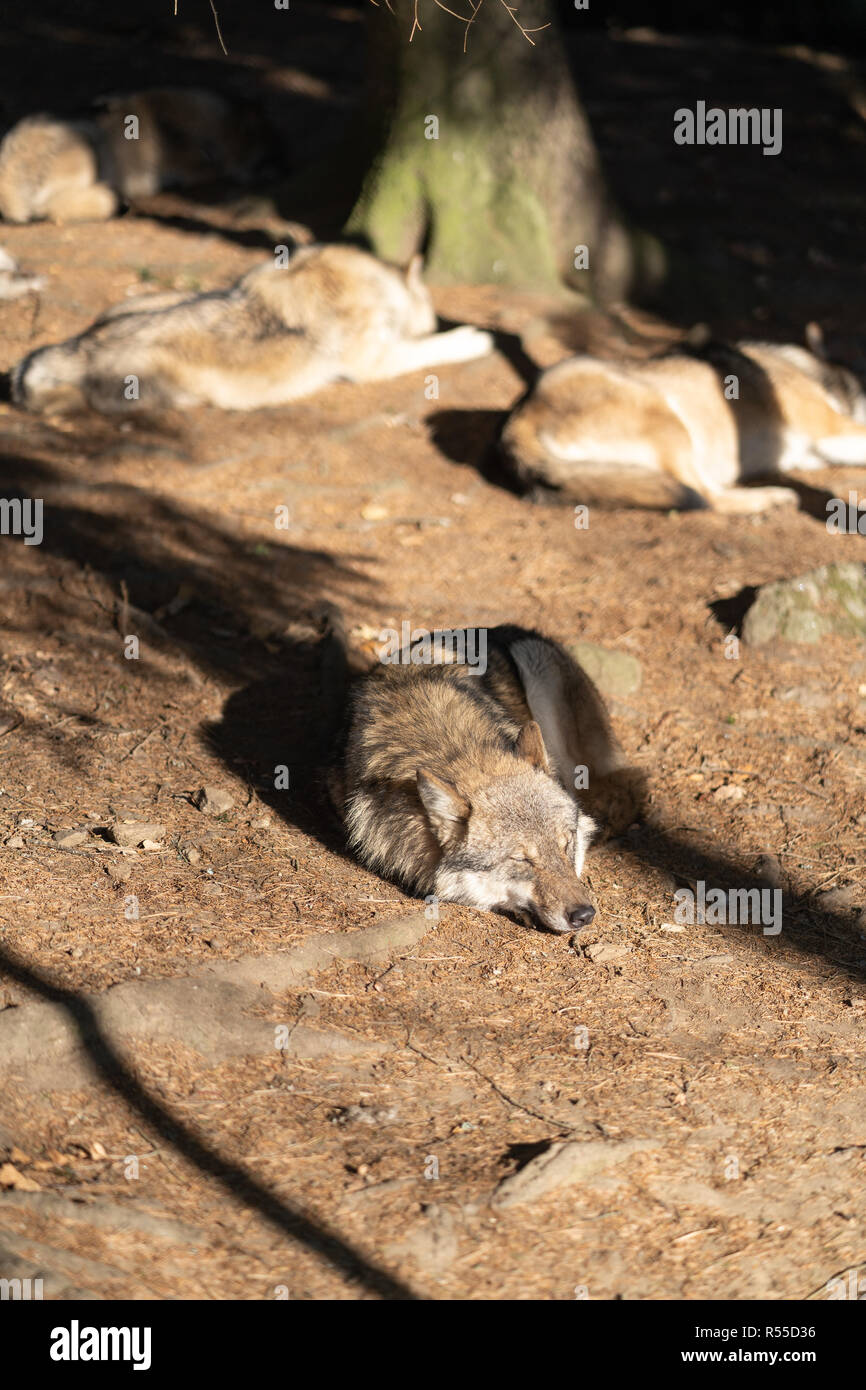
(216, 20)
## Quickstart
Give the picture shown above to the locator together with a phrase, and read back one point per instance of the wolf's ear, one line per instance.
(815, 341)
(413, 270)
(446, 809)
(530, 745)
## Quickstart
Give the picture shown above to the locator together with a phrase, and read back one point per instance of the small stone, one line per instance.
(68, 839)
(150, 844)
(831, 599)
(374, 511)
(118, 871)
(130, 834)
(193, 855)
(213, 801)
(806, 696)
(14, 842)
(10, 1177)
(729, 794)
(565, 1165)
(605, 952)
(615, 673)
(263, 823)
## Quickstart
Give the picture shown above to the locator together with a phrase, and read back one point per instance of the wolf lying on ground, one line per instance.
(686, 429)
(74, 170)
(281, 332)
(460, 784)
(13, 283)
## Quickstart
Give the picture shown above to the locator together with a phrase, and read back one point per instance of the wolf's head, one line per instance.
(419, 316)
(841, 387)
(518, 844)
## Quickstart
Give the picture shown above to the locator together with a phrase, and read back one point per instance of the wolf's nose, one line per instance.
(581, 916)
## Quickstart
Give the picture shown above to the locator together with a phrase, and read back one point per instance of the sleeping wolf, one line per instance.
(686, 429)
(281, 332)
(77, 170)
(13, 282)
(460, 784)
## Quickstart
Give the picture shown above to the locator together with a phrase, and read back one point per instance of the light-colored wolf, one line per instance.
(685, 429)
(13, 283)
(76, 170)
(279, 333)
(461, 784)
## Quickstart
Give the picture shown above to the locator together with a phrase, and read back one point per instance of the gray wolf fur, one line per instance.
(79, 170)
(662, 433)
(279, 333)
(461, 785)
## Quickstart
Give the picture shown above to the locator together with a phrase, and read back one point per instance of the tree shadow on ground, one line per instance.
(235, 609)
(289, 1221)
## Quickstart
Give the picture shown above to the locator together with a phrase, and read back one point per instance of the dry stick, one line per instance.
(217, 23)
(516, 1104)
(525, 32)
(34, 318)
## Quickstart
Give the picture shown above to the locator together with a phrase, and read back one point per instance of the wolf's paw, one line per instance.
(747, 501)
(467, 342)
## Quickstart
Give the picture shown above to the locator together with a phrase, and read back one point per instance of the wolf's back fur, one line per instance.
(455, 781)
(279, 333)
(662, 433)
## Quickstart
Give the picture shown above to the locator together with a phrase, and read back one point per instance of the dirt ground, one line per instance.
(712, 1079)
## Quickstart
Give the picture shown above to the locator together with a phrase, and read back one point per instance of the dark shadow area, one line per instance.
(292, 717)
(810, 929)
(289, 1222)
(180, 578)
(471, 437)
(256, 239)
(813, 500)
(521, 1154)
(730, 612)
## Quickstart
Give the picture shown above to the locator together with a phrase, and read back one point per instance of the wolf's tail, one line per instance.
(576, 728)
(46, 376)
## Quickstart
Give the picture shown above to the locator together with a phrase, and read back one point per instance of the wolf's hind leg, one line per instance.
(96, 203)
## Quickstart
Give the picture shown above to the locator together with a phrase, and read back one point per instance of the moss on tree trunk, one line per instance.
(485, 159)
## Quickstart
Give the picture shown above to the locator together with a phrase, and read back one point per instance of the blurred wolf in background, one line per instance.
(686, 429)
(281, 332)
(80, 170)
(459, 782)
(14, 282)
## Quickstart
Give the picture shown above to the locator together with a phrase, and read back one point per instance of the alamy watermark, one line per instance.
(736, 907)
(846, 518)
(736, 126)
(22, 516)
(422, 647)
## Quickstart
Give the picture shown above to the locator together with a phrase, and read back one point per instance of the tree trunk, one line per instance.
(485, 158)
